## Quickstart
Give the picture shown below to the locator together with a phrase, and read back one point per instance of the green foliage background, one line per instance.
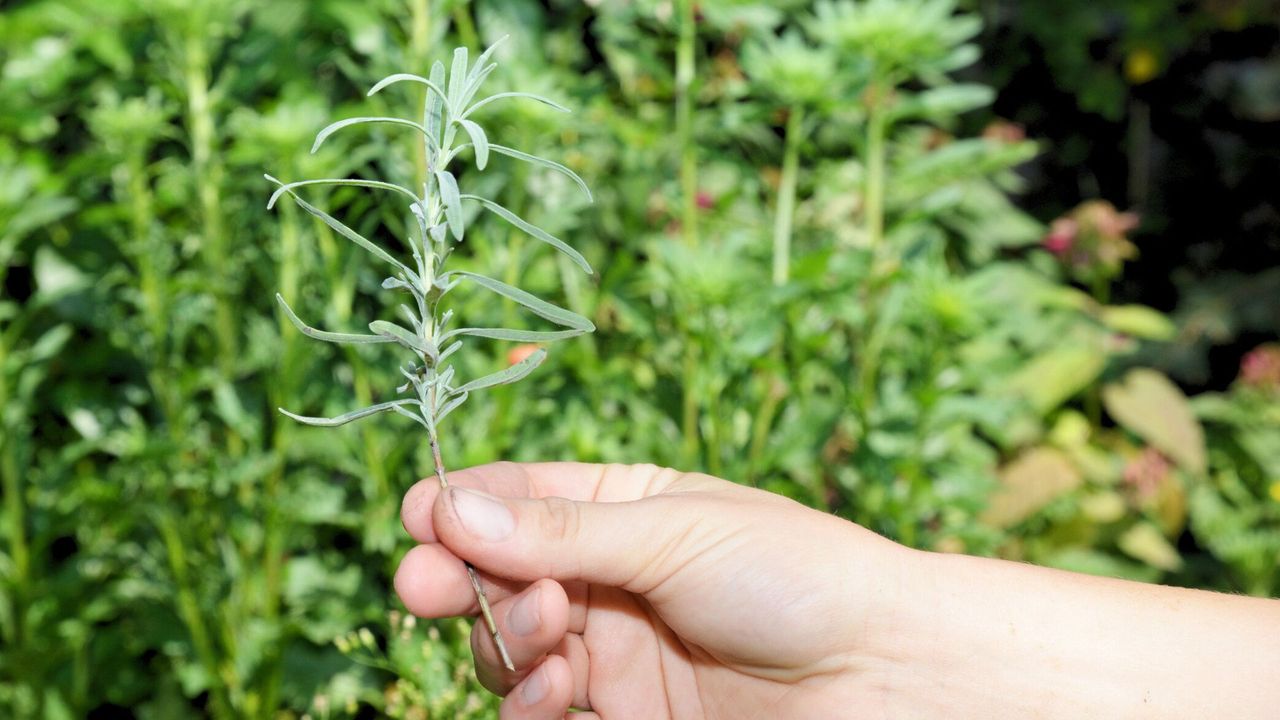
(811, 277)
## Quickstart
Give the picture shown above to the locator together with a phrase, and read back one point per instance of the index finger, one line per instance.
(571, 480)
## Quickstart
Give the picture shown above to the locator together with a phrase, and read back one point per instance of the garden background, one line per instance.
(996, 277)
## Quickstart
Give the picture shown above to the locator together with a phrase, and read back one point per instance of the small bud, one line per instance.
(367, 639)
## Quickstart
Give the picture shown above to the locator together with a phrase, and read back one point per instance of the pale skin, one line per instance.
(637, 592)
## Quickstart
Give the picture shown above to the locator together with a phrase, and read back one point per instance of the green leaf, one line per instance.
(1145, 542)
(335, 127)
(475, 79)
(452, 202)
(348, 417)
(1139, 321)
(435, 102)
(515, 335)
(345, 338)
(1150, 406)
(479, 71)
(507, 375)
(403, 336)
(451, 405)
(355, 237)
(433, 84)
(530, 96)
(285, 187)
(540, 307)
(457, 75)
(533, 230)
(478, 140)
(1056, 375)
(550, 164)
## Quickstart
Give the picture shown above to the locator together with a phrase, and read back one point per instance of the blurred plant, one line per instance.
(439, 214)
(1092, 244)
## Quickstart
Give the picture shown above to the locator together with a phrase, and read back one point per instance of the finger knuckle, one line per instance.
(563, 519)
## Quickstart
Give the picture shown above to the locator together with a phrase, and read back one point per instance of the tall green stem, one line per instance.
(684, 122)
(877, 130)
(207, 171)
(420, 52)
(15, 514)
(193, 618)
(874, 211)
(787, 197)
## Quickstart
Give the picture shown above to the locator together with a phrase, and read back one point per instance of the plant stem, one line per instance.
(419, 51)
(689, 417)
(189, 610)
(787, 197)
(684, 123)
(15, 514)
(481, 597)
(877, 129)
(464, 25)
(208, 177)
(874, 211)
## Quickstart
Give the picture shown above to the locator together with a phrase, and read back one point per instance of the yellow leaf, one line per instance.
(1150, 406)
(1144, 542)
(1029, 483)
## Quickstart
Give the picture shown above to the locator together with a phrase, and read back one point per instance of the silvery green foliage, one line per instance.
(433, 389)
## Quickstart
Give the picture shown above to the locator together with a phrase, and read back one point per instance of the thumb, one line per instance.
(630, 545)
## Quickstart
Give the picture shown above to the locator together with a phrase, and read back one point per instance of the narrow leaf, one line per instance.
(507, 375)
(435, 102)
(475, 81)
(540, 307)
(433, 85)
(479, 71)
(335, 127)
(403, 336)
(452, 202)
(478, 140)
(515, 335)
(285, 187)
(412, 416)
(533, 230)
(451, 405)
(353, 415)
(346, 338)
(457, 75)
(530, 96)
(550, 164)
(355, 237)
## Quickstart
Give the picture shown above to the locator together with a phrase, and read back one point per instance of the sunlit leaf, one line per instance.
(348, 417)
(507, 375)
(499, 96)
(286, 187)
(333, 337)
(478, 140)
(452, 202)
(533, 230)
(543, 162)
(540, 307)
(355, 237)
(335, 127)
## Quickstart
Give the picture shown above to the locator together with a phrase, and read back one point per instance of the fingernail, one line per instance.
(535, 686)
(483, 516)
(523, 618)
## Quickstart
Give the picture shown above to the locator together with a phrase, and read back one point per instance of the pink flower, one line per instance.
(1144, 474)
(1062, 235)
(1261, 367)
(705, 201)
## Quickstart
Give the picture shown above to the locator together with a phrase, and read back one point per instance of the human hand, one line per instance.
(642, 592)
